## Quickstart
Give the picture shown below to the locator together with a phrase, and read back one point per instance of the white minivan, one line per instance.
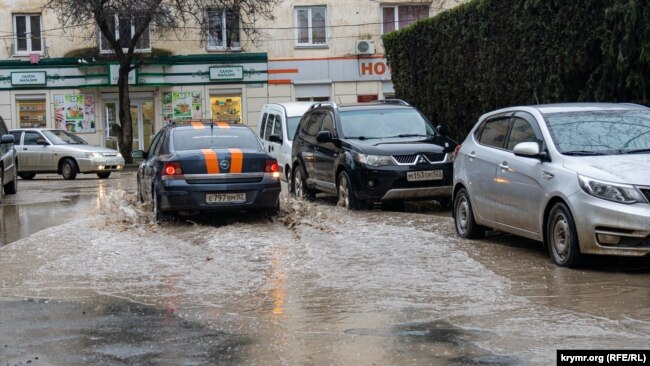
(280, 120)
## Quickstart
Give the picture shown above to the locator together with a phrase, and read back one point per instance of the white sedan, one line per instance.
(42, 150)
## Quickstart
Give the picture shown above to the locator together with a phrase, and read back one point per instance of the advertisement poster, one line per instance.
(181, 105)
(75, 112)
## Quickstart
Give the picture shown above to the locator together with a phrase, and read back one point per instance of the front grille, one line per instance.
(405, 159)
(646, 193)
(435, 157)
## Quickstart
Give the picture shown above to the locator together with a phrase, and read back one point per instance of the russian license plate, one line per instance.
(225, 198)
(424, 175)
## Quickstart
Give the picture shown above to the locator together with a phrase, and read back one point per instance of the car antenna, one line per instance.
(535, 96)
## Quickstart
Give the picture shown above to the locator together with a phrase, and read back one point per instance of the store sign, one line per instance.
(28, 78)
(227, 73)
(114, 74)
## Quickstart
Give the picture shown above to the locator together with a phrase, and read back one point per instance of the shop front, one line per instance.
(83, 98)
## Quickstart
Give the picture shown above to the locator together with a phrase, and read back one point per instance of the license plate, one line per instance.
(225, 198)
(424, 175)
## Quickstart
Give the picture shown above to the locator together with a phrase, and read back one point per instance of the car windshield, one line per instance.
(600, 132)
(215, 138)
(60, 137)
(385, 123)
(292, 126)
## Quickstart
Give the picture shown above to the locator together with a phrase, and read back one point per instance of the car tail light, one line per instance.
(457, 151)
(172, 170)
(272, 168)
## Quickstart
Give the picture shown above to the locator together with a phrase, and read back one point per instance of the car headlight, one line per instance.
(449, 158)
(94, 155)
(622, 193)
(375, 160)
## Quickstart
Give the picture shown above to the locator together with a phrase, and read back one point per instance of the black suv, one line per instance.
(381, 152)
(8, 168)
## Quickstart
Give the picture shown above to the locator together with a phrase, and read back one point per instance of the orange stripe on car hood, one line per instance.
(211, 164)
(223, 124)
(197, 125)
(236, 161)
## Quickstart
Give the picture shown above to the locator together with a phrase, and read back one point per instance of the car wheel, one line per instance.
(346, 195)
(27, 176)
(69, 169)
(2, 177)
(12, 187)
(139, 194)
(466, 226)
(104, 175)
(299, 185)
(157, 214)
(562, 237)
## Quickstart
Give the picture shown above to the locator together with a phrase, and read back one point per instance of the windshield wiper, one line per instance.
(635, 151)
(410, 135)
(363, 137)
(583, 153)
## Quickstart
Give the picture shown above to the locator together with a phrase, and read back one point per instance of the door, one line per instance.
(325, 154)
(36, 153)
(136, 121)
(518, 189)
(110, 122)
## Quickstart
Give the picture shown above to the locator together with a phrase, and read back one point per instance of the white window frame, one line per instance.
(396, 14)
(310, 42)
(117, 36)
(224, 38)
(28, 33)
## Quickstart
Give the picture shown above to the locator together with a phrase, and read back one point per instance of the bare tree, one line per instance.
(99, 18)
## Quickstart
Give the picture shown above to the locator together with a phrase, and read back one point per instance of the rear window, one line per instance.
(215, 138)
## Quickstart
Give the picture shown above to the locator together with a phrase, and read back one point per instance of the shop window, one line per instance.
(223, 30)
(27, 31)
(124, 26)
(400, 16)
(31, 113)
(311, 26)
(226, 108)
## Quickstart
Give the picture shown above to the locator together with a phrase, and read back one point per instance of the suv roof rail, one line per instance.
(322, 104)
(205, 122)
(393, 101)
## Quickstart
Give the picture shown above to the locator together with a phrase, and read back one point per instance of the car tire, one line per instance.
(346, 196)
(104, 175)
(466, 226)
(69, 169)
(12, 187)
(299, 185)
(27, 176)
(139, 194)
(157, 214)
(562, 237)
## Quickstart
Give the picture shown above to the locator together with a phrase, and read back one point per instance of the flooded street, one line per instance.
(86, 277)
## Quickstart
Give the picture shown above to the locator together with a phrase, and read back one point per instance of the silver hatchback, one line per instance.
(573, 176)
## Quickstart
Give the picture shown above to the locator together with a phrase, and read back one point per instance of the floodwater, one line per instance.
(90, 279)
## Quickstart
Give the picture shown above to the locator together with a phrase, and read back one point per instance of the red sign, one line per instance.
(367, 98)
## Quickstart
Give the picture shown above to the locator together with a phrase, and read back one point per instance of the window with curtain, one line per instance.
(27, 33)
(223, 29)
(396, 17)
(124, 26)
(311, 26)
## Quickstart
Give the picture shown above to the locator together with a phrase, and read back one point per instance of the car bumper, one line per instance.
(98, 165)
(178, 195)
(611, 228)
(390, 183)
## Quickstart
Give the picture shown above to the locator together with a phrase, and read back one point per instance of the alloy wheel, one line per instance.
(344, 192)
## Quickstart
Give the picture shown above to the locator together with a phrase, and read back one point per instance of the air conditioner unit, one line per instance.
(365, 47)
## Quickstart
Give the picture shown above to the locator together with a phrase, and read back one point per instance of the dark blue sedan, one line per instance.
(204, 166)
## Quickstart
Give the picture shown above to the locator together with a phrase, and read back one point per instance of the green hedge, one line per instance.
(489, 54)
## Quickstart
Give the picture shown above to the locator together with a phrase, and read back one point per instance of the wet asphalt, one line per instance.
(86, 278)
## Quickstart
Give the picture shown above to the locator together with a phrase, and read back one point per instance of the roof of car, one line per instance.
(573, 107)
(204, 123)
(387, 103)
(293, 109)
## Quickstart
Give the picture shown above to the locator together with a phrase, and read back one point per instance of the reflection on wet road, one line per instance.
(318, 285)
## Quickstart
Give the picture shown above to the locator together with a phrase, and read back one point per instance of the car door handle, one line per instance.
(504, 165)
(472, 156)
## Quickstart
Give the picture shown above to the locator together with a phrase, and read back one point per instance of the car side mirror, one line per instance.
(137, 154)
(324, 136)
(443, 130)
(42, 142)
(529, 150)
(7, 139)
(275, 138)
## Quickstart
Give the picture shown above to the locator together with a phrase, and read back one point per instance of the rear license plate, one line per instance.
(424, 175)
(225, 198)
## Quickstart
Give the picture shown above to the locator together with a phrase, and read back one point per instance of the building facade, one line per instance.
(310, 51)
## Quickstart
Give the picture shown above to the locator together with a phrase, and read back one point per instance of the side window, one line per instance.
(17, 135)
(155, 145)
(31, 137)
(269, 126)
(494, 132)
(522, 131)
(263, 125)
(277, 127)
(314, 124)
(328, 123)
